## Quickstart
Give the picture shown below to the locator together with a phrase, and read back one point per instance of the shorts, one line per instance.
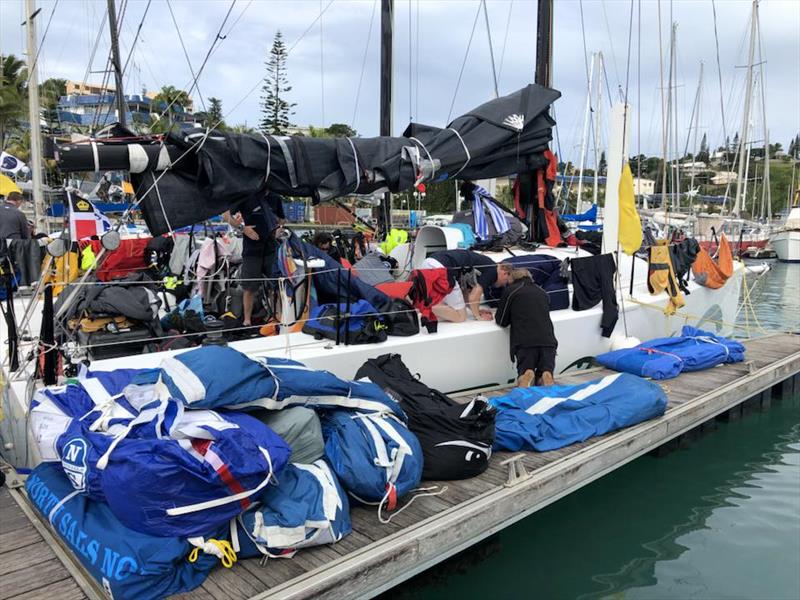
(539, 359)
(455, 299)
(256, 267)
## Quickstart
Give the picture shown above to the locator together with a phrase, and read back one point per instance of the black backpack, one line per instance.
(456, 439)
(363, 326)
(401, 318)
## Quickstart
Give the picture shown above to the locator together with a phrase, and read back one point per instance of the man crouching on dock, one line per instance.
(526, 308)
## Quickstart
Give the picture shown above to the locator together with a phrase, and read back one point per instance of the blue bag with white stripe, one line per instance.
(126, 563)
(547, 418)
(375, 456)
(305, 507)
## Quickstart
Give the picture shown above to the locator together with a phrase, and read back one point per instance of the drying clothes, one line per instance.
(127, 564)
(547, 418)
(373, 269)
(661, 277)
(482, 202)
(123, 261)
(683, 256)
(137, 302)
(593, 281)
(714, 274)
(456, 439)
(664, 358)
(180, 254)
(306, 507)
(27, 256)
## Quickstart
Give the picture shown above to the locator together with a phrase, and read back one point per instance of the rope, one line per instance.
(424, 491)
(364, 63)
(222, 549)
(464, 62)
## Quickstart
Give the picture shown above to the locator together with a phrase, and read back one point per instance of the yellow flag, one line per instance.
(630, 226)
(7, 186)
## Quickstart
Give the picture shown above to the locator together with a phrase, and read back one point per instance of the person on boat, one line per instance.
(324, 241)
(258, 220)
(480, 271)
(13, 222)
(526, 308)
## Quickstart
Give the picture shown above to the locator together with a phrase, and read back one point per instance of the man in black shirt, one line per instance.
(526, 308)
(458, 263)
(259, 218)
(13, 223)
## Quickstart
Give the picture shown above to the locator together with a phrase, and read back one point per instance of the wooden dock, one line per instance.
(375, 557)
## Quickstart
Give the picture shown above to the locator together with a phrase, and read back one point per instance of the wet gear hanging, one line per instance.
(456, 439)
(126, 564)
(534, 200)
(305, 507)
(547, 418)
(683, 256)
(376, 458)
(661, 276)
(714, 274)
(593, 281)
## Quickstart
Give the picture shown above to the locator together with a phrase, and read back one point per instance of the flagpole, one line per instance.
(34, 116)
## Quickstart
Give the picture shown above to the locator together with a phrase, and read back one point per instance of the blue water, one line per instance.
(718, 519)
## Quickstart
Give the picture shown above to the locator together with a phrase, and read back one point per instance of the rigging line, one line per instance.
(309, 28)
(364, 63)
(585, 51)
(611, 43)
(464, 62)
(639, 99)
(185, 52)
(195, 80)
(136, 37)
(35, 62)
(505, 42)
(719, 78)
(321, 65)
(410, 63)
(416, 64)
(627, 80)
(491, 48)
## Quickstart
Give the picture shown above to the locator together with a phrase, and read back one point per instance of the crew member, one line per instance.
(526, 308)
(259, 219)
(13, 223)
(324, 241)
(458, 262)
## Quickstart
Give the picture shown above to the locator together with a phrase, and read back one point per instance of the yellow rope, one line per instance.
(228, 554)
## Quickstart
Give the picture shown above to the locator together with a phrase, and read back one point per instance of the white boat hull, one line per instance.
(787, 245)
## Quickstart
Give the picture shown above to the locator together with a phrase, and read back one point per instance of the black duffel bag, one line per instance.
(456, 439)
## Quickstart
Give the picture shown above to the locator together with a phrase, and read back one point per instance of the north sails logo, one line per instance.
(515, 121)
(73, 462)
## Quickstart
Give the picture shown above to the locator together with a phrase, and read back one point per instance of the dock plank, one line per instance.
(31, 578)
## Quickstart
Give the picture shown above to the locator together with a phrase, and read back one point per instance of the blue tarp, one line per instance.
(589, 215)
(546, 418)
(664, 358)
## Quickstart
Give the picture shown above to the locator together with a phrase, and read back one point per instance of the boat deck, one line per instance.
(377, 556)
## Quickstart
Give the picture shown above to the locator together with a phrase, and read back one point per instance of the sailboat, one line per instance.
(786, 239)
(186, 178)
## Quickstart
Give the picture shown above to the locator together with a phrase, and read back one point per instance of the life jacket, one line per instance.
(661, 276)
(428, 288)
(714, 274)
(395, 238)
(306, 507)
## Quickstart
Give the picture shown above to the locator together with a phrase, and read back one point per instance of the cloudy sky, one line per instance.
(330, 55)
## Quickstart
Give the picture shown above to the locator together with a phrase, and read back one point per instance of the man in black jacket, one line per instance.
(526, 308)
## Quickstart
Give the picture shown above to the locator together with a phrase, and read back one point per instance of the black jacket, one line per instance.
(526, 307)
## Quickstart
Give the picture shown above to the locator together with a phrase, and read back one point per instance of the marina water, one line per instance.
(719, 518)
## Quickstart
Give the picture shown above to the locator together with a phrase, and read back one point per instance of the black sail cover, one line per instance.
(209, 174)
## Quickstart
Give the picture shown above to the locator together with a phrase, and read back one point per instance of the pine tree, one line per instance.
(214, 114)
(703, 155)
(601, 167)
(276, 85)
(792, 147)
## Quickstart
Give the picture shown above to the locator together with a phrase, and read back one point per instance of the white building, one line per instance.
(643, 187)
(723, 178)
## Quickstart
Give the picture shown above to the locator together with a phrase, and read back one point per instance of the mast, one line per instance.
(585, 135)
(387, 17)
(597, 118)
(741, 184)
(34, 116)
(544, 42)
(115, 63)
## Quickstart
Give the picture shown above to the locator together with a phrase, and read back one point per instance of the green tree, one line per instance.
(213, 116)
(13, 94)
(341, 130)
(244, 128)
(169, 100)
(601, 167)
(50, 91)
(276, 108)
(703, 155)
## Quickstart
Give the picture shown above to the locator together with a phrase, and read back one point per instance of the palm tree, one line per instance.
(171, 97)
(13, 96)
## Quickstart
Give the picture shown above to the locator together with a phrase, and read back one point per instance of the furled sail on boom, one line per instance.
(187, 178)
